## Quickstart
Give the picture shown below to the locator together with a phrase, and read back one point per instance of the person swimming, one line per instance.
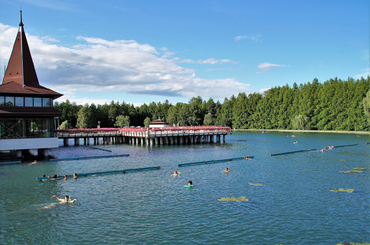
(75, 175)
(54, 177)
(65, 177)
(226, 170)
(246, 158)
(176, 173)
(190, 183)
(67, 199)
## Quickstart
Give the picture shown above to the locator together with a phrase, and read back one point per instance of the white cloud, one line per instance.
(265, 66)
(50, 39)
(126, 66)
(189, 61)
(262, 90)
(250, 38)
(167, 55)
(364, 75)
(213, 61)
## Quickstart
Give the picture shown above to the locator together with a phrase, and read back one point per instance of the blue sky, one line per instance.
(143, 51)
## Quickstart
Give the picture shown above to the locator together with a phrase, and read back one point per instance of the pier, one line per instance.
(144, 135)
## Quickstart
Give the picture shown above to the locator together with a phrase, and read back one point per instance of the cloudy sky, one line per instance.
(142, 51)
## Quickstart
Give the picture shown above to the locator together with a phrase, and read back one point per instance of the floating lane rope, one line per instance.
(106, 172)
(290, 152)
(82, 158)
(213, 161)
(338, 146)
(8, 163)
(97, 148)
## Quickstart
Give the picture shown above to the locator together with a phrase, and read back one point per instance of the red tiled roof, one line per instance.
(20, 76)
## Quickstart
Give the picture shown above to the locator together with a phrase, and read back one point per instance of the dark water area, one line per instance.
(293, 205)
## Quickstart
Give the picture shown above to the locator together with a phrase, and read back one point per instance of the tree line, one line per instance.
(333, 105)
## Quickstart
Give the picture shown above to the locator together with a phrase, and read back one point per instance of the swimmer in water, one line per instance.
(246, 158)
(65, 200)
(44, 176)
(226, 170)
(176, 173)
(75, 175)
(65, 177)
(54, 177)
(190, 183)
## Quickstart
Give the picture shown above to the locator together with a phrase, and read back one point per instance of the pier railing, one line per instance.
(144, 135)
(143, 132)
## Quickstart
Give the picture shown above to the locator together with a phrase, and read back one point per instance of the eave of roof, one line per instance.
(29, 112)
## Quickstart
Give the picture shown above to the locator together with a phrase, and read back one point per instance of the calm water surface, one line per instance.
(294, 205)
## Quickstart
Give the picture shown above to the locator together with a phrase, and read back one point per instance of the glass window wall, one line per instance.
(25, 101)
(19, 101)
(9, 101)
(37, 102)
(28, 101)
(15, 128)
(46, 102)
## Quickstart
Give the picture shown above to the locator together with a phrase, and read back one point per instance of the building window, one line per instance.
(28, 102)
(2, 101)
(9, 101)
(37, 102)
(17, 128)
(37, 128)
(19, 101)
(46, 102)
(11, 128)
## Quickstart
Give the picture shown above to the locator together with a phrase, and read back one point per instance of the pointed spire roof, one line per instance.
(20, 75)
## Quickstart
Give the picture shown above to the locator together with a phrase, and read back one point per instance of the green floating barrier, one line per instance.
(105, 172)
(290, 152)
(83, 158)
(191, 163)
(213, 161)
(338, 146)
(97, 148)
(8, 163)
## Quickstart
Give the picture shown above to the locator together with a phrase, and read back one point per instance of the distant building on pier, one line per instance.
(158, 124)
(26, 108)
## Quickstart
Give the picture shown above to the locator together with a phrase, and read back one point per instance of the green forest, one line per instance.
(336, 104)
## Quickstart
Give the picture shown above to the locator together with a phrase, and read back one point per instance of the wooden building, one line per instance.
(26, 108)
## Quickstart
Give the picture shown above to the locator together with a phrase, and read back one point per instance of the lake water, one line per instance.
(294, 205)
